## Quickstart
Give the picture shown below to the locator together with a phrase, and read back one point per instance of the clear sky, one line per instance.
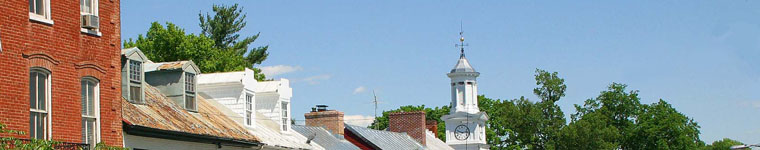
(703, 57)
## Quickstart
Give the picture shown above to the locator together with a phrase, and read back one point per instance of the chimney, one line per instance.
(411, 123)
(332, 120)
(432, 125)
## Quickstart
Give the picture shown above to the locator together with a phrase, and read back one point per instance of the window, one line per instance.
(284, 116)
(90, 99)
(189, 82)
(135, 71)
(39, 96)
(190, 102)
(39, 10)
(190, 91)
(88, 7)
(248, 108)
(135, 81)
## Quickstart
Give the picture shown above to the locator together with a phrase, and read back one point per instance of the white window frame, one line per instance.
(45, 18)
(189, 79)
(284, 115)
(137, 82)
(46, 110)
(96, 111)
(248, 109)
(94, 11)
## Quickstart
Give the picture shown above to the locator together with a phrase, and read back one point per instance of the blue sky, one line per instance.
(703, 57)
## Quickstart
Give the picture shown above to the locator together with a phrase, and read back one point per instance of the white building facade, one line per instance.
(465, 124)
(262, 107)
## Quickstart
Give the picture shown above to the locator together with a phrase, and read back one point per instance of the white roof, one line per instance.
(463, 65)
(223, 77)
(433, 143)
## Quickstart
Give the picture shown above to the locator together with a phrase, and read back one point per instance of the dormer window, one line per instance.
(190, 82)
(134, 71)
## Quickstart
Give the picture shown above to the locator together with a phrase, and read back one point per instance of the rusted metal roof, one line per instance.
(158, 112)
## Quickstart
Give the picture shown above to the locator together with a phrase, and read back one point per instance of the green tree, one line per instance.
(171, 43)
(224, 27)
(381, 122)
(724, 144)
(620, 108)
(660, 126)
(550, 89)
(592, 131)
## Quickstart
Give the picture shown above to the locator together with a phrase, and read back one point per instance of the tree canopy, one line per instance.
(217, 49)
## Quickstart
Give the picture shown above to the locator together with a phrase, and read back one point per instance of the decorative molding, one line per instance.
(40, 55)
(89, 64)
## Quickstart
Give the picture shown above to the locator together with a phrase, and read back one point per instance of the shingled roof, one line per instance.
(160, 114)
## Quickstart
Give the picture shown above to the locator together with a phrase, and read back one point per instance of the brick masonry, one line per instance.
(332, 120)
(69, 55)
(411, 123)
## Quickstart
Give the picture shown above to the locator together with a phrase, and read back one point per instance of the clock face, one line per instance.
(462, 132)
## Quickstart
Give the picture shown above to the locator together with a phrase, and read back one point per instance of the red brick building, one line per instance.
(60, 70)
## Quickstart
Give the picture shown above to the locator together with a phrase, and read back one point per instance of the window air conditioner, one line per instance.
(90, 21)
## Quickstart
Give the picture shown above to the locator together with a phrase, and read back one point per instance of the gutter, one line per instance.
(184, 136)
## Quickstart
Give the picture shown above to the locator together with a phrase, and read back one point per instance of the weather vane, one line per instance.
(461, 44)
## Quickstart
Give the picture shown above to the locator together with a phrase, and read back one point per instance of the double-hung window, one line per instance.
(284, 116)
(39, 103)
(89, 11)
(190, 91)
(39, 10)
(88, 7)
(90, 99)
(248, 109)
(135, 81)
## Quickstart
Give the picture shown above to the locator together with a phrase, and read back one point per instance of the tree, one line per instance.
(172, 44)
(620, 108)
(224, 29)
(724, 144)
(381, 123)
(550, 89)
(660, 126)
(592, 131)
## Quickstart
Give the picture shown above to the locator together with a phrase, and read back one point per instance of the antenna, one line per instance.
(375, 101)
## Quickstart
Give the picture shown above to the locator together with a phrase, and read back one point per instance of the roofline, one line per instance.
(353, 131)
(184, 136)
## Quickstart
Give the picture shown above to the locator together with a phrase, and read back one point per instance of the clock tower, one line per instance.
(465, 124)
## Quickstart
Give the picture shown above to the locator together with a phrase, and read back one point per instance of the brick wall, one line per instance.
(432, 125)
(332, 120)
(411, 123)
(69, 55)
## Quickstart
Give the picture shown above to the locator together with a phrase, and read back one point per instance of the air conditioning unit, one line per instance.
(90, 22)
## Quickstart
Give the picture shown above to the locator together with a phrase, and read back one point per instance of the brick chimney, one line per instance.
(412, 123)
(432, 125)
(332, 120)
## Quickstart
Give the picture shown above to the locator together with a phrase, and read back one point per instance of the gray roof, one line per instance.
(324, 138)
(462, 65)
(385, 140)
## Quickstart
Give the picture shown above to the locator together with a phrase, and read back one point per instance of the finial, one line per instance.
(461, 41)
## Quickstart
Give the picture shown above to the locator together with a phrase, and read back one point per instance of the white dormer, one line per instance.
(234, 90)
(273, 100)
(176, 80)
(133, 74)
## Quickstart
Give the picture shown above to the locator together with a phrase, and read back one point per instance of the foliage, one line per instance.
(550, 89)
(590, 132)
(224, 28)
(35, 144)
(617, 107)
(660, 126)
(381, 123)
(172, 44)
(724, 144)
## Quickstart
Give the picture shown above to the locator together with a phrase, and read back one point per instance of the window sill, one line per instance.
(40, 19)
(94, 32)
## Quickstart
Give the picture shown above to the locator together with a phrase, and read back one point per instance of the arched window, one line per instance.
(39, 104)
(90, 111)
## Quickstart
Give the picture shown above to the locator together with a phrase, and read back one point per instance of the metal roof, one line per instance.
(433, 143)
(463, 65)
(385, 140)
(159, 112)
(324, 138)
